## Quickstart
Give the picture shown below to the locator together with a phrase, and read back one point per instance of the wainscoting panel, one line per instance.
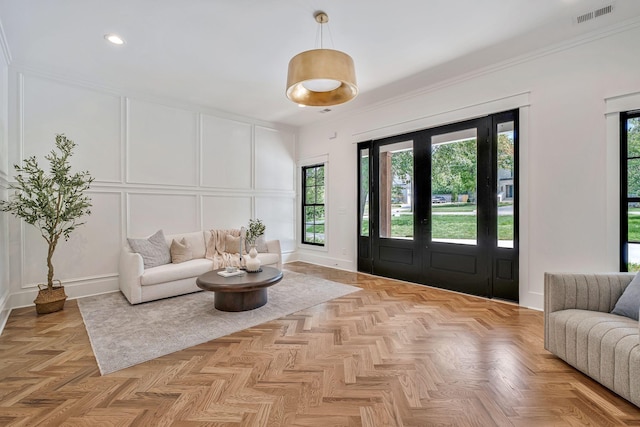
(157, 165)
(275, 159)
(226, 153)
(278, 213)
(162, 145)
(88, 117)
(173, 213)
(92, 250)
(225, 212)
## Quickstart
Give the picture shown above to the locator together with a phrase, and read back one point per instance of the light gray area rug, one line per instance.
(124, 335)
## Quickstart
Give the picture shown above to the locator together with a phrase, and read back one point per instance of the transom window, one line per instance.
(313, 209)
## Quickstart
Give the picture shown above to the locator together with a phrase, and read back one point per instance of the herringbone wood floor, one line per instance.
(393, 354)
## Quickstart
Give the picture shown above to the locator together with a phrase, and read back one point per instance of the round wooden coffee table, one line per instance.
(239, 293)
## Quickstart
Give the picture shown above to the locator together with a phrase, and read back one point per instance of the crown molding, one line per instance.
(571, 43)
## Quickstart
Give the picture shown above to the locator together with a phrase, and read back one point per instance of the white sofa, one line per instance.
(141, 285)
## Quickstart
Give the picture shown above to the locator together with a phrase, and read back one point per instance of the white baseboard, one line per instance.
(325, 261)
(289, 257)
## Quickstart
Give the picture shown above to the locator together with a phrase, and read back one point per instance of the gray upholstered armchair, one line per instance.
(579, 329)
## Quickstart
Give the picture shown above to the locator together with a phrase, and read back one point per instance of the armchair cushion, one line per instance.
(629, 302)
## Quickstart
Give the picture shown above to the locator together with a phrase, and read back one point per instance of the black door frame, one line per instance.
(497, 267)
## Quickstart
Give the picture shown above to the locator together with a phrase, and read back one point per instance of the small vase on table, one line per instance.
(253, 263)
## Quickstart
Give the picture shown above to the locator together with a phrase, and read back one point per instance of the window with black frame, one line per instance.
(313, 209)
(630, 191)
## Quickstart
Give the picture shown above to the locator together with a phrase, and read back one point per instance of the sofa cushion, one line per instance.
(180, 251)
(629, 302)
(268, 259)
(195, 240)
(591, 340)
(172, 272)
(154, 249)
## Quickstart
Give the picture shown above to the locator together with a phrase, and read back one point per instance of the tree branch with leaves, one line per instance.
(54, 202)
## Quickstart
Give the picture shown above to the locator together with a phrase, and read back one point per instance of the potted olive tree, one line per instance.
(54, 204)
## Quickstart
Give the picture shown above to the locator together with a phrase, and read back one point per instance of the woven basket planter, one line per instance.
(50, 300)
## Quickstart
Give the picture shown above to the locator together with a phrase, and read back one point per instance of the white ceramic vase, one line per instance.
(253, 263)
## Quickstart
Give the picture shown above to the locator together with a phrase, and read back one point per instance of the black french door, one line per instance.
(439, 206)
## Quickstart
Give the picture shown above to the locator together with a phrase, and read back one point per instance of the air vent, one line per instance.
(594, 14)
(603, 11)
(585, 17)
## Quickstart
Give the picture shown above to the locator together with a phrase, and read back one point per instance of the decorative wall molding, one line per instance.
(493, 68)
(613, 107)
(181, 207)
(78, 280)
(24, 298)
(619, 103)
(5, 309)
(459, 113)
(6, 52)
(87, 83)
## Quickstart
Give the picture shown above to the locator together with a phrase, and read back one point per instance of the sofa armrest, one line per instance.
(594, 292)
(131, 268)
(273, 246)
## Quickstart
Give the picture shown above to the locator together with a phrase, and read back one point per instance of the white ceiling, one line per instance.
(232, 55)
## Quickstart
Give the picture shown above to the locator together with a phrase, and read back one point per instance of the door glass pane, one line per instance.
(364, 192)
(633, 177)
(633, 137)
(454, 165)
(506, 188)
(396, 186)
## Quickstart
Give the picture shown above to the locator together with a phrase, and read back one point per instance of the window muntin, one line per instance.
(313, 205)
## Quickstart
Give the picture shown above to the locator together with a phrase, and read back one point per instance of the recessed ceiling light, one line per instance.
(114, 38)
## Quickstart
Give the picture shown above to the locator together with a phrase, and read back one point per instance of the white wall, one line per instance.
(4, 167)
(156, 165)
(567, 223)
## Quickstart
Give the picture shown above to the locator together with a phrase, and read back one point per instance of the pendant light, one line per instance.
(321, 77)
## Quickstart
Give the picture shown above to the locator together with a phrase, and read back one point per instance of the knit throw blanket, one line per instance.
(216, 250)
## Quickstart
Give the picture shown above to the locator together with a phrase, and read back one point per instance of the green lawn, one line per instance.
(634, 228)
(450, 227)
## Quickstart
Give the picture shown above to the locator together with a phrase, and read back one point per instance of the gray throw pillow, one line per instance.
(261, 244)
(629, 303)
(154, 249)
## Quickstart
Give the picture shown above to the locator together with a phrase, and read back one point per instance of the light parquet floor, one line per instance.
(393, 354)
